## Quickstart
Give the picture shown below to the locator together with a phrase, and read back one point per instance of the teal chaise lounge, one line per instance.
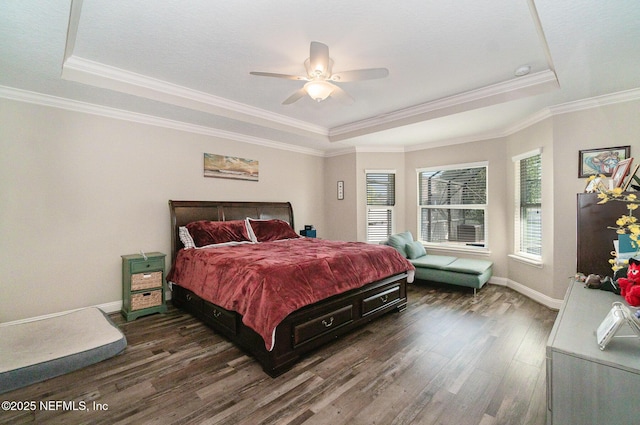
(442, 268)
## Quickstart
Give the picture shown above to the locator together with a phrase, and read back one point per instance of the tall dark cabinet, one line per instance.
(595, 239)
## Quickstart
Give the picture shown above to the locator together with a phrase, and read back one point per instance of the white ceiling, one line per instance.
(451, 64)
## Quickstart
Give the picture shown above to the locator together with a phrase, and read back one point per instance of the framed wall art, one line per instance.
(601, 161)
(230, 167)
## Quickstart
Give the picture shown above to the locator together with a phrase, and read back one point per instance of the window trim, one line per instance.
(524, 257)
(452, 247)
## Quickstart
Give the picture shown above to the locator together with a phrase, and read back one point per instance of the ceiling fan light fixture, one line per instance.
(318, 90)
(319, 70)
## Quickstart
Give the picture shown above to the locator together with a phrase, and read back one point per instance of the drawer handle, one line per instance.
(329, 323)
(146, 275)
(384, 298)
(148, 265)
(216, 313)
(146, 294)
(188, 297)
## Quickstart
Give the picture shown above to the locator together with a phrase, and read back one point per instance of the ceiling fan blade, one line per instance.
(342, 95)
(360, 74)
(297, 95)
(319, 58)
(271, 74)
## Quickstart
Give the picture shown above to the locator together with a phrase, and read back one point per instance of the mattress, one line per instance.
(42, 349)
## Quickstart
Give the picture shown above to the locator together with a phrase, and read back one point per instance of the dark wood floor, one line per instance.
(445, 360)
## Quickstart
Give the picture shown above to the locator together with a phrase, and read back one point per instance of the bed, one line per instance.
(304, 313)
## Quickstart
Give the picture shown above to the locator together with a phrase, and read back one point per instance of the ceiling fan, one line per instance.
(320, 77)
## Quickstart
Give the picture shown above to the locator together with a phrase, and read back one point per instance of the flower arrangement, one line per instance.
(626, 224)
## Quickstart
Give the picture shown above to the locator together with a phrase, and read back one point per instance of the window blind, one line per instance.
(528, 220)
(381, 197)
(381, 189)
(452, 205)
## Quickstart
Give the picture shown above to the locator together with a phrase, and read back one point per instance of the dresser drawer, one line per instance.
(380, 300)
(316, 327)
(140, 281)
(146, 300)
(223, 317)
(151, 264)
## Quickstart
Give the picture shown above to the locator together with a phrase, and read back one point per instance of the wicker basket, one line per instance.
(146, 300)
(140, 281)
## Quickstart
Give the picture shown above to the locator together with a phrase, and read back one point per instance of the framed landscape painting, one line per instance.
(230, 167)
(601, 161)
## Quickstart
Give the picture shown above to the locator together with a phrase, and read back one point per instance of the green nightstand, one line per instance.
(143, 287)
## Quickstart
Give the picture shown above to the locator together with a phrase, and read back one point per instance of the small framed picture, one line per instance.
(610, 325)
(597, 185)
(601, 161)
(620, 172)
(618, 315)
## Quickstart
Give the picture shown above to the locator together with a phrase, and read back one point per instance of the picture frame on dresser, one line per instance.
(620, 172)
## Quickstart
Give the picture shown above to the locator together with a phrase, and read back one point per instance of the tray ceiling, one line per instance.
(451, 64)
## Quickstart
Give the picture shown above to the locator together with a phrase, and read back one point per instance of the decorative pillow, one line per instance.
(415, 250)
(399, 241)
(270, 230)
(214, 232)
(185, 238)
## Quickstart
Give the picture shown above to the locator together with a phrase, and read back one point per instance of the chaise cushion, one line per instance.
(470, 266)
(433, 261)
(399, 241)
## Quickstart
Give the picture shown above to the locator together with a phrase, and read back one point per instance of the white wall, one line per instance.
(78, 191)
(341, 222)
(605, 126)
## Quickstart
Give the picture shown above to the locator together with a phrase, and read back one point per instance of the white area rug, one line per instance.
(34, 351)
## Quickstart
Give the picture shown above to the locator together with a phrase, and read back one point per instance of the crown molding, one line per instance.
(120, 114)
(100, 75)
(486, 96)
(89, 108)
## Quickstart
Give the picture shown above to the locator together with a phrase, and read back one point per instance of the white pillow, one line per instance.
(185, 238)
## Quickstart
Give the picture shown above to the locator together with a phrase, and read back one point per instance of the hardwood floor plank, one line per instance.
(448, 358)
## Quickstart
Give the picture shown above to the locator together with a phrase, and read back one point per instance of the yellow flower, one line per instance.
(632, 207)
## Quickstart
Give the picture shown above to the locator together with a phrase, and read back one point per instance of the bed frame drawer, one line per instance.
(321, 325)
(186, 299)
(380, 300)
(224, 318)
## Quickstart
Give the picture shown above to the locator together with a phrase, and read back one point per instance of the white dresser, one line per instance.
(585, 385)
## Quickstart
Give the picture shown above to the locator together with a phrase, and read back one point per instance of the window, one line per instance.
(528, 205)
(452, 205)
(381, 197)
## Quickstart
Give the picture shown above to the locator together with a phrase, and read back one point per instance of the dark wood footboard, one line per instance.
(305, 329)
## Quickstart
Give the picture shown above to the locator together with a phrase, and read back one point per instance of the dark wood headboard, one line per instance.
(184, 212)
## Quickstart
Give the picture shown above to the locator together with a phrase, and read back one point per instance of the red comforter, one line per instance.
(267, 281)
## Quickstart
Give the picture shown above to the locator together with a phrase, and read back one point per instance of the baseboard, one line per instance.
(108, 308)
(538, 297)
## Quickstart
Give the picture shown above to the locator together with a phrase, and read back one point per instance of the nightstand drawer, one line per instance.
(140, 281)
(150, 264)
(146, 300)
